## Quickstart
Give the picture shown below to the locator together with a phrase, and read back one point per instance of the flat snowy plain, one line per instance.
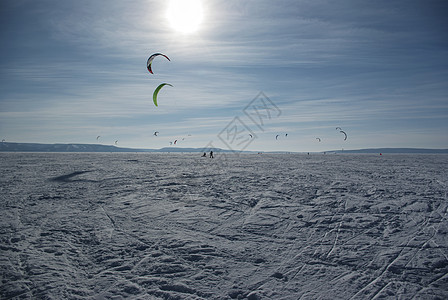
(178, 226)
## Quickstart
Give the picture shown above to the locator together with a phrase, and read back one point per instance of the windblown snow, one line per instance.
(178, 226)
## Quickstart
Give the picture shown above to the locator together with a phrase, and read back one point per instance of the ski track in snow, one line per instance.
(178, 226)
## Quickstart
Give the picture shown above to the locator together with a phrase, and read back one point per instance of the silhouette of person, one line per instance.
(211, 154)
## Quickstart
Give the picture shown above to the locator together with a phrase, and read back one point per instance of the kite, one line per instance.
(156, 92)
(151, 58)
(276, 137)
(319, 139)
(345, 138)
(155, 133)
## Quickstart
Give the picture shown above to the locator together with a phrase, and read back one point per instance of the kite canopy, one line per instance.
(345, 135)
(151, 58)
(319, 139)
(156, 92)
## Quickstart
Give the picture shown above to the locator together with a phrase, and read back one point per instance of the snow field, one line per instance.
(178, 226)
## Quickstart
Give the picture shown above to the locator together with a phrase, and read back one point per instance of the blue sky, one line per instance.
(73, 70)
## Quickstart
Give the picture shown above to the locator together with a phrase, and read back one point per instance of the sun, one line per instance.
(185, 16)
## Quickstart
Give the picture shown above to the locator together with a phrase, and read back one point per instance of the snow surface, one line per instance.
(178, 226)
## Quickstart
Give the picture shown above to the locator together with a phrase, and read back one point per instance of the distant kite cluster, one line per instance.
(156, 133)
(278, 136)
(99, 137)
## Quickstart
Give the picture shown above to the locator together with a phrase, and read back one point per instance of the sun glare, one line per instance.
(185, 15)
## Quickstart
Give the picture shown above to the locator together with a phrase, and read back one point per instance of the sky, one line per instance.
(256, 75)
